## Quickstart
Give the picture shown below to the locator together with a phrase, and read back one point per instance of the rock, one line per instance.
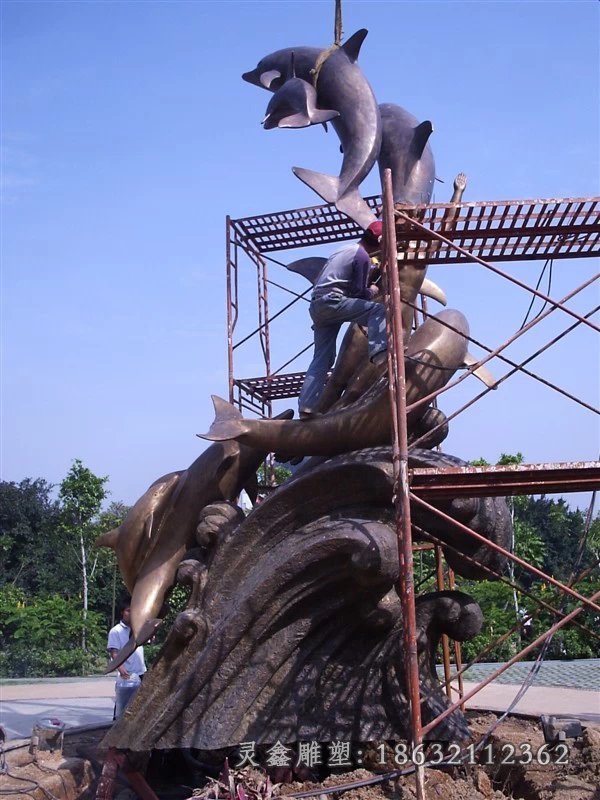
(591, 745)
(570, 788)
(591, 737)
(483, 784)
(560, 728)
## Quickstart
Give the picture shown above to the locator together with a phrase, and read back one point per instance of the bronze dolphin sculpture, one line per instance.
(341, 87)
(160, 528)
(271, 71)
(433, 353)
(294, 105)
(405, 150)
(404, 144)
(135, 536)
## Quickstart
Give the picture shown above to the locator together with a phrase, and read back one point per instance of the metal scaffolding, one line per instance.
(485, 233)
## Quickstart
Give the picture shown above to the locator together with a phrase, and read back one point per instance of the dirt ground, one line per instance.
(578, 780)
(74, 775)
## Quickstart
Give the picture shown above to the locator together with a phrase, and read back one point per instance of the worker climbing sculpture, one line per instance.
(294, 629)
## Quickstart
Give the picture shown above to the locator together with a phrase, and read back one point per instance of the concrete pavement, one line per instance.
(571, 689)
(83, 701)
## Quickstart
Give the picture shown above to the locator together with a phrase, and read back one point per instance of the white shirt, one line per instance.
(118, 638)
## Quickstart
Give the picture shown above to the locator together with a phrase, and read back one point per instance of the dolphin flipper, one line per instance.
(431, 289)
(108, 539)
(302, 120)
(482, 372)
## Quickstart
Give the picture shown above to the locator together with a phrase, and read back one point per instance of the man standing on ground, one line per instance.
(130, 672)
(342, 294)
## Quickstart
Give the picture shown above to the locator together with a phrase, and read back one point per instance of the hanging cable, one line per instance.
(337, 31)
(549, 261)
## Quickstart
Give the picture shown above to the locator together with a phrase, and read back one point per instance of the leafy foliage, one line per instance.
(28, 520)
(40, 637)
(550, 536)
(42, 605)
(81, 494)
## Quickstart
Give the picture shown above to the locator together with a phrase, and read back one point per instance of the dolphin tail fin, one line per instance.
(355, 207)
(326, 186)
(421, 137)
(228, 423)
(482, 372)
(108, 539)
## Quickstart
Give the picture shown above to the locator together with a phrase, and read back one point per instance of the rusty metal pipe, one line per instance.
(557, 626)
(457, 648)
(266, 323)
(518, 367)
(230, 321)
(500, 272)
(397, 385)
(287, 363)
(507, 553)
(501, 347)
(441, 585)
(503, 579)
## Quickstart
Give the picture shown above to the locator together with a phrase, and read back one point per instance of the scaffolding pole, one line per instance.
(397, 392)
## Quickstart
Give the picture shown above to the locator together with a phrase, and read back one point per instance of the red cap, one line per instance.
(374, 231)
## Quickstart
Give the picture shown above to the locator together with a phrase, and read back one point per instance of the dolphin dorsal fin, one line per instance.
(354, 43)
(422, 133)
(293, 64)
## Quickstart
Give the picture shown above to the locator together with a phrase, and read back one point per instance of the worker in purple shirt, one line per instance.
(342, 294)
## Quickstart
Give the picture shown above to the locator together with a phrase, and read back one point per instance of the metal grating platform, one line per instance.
(275, 387)
(500, 481)
(502, 230)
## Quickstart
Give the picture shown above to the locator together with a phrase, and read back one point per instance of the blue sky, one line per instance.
(128, 135)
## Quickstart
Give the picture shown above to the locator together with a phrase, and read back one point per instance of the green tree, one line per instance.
(28, 520)
(81, 494)
(108, 583)
(552, 537)
(41, 636)
(275, 475)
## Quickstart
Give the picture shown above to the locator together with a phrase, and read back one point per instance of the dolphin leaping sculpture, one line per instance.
(342, 88)
(320, 86)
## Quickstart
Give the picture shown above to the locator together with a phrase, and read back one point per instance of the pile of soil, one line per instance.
(579, 779)
(74, 775)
